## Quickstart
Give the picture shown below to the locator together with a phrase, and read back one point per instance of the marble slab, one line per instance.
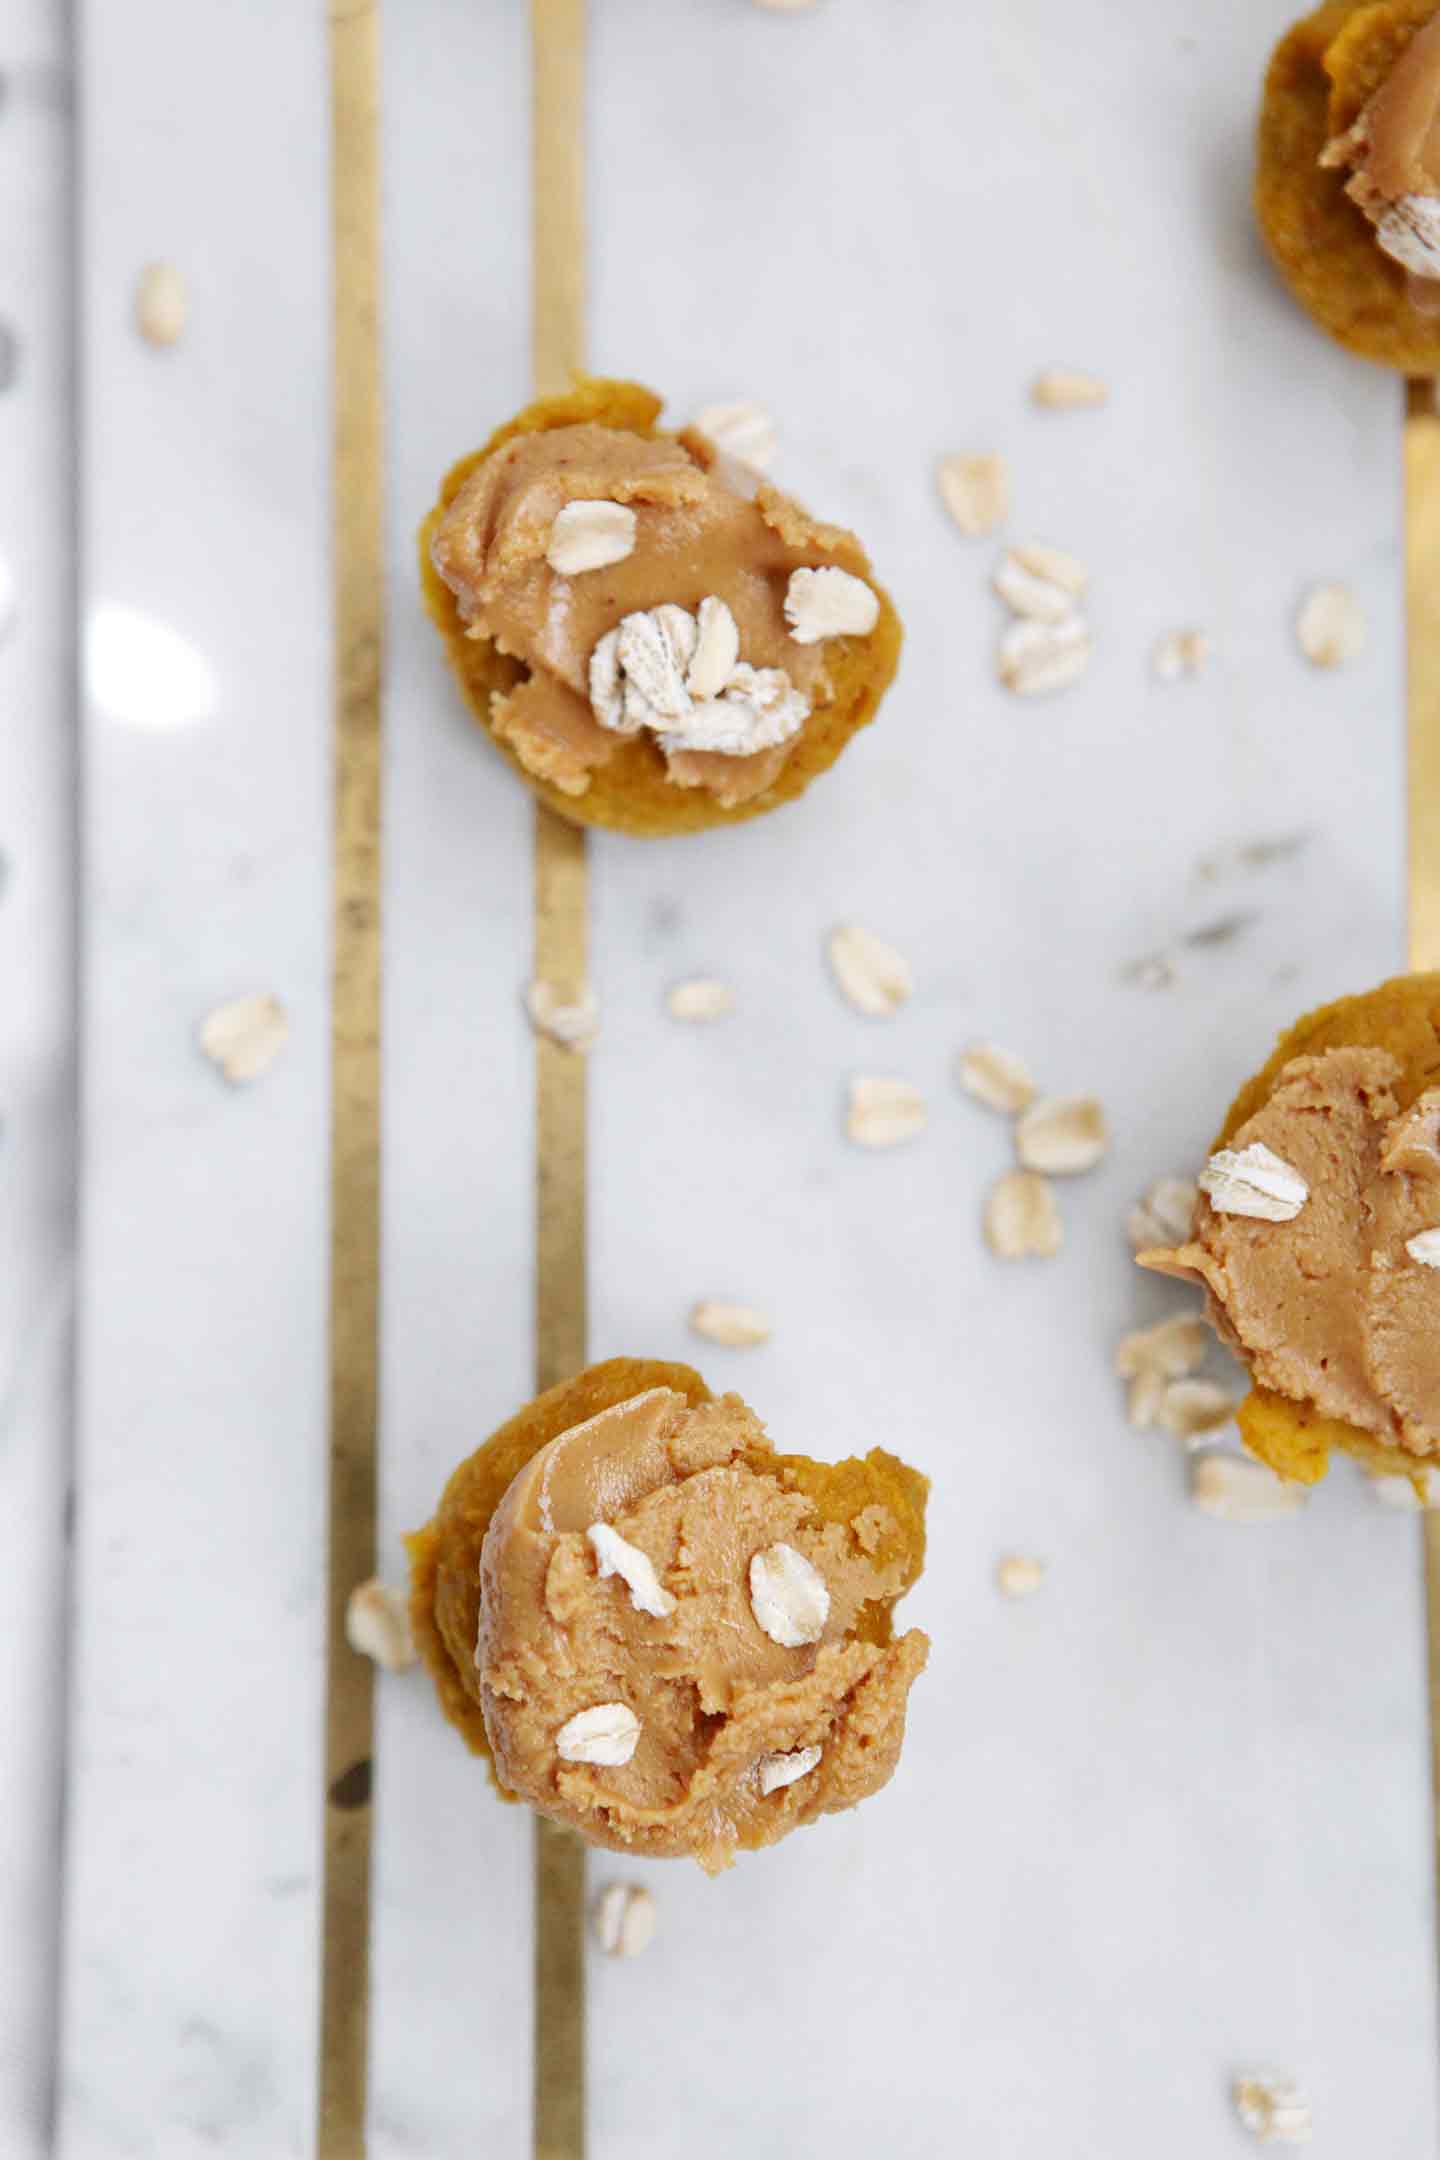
(37, 1108)
(1170, 1817)
(188, 2010)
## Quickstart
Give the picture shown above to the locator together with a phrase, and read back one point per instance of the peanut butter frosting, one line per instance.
(672, 1647)
(698, 531)
(1327, 1289)
(1393, 152)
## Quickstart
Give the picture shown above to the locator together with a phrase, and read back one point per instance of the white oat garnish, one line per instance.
(1171, 1348)
(827, 603)
(1236, 1489)
(245, 1036)
(1253, 1181)
(377, 1625)
(741, 430)
(1193, 1409)
(607, 1734)
(717, 649)
(1022, 1220)
(1068, 389)
(1036, 658)
(1330, 627)
(884, 1112)
(788, 1596)
(998, 1078)
(590, 535)
(734, 1327)
(1178, 654)
(623, 1919)
(874, 977)
(702, 997)
(162, 304)
(1272, 2108)
(615, 1555)
(1162, 1215)
(1062, 1135)
(570, 1023)
(1425, 1247)
(1019, 1575)
(777, 1771)
(1041, 583)
(759, 709)
(975, 489)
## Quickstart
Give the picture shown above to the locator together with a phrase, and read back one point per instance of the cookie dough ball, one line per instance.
(1347, 188)
(654, 637)
(661, 1632)
(1312, 1236)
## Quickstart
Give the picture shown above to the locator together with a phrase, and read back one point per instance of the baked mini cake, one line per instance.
(661, 1632)
(653, 636)
(1316, 1236)
(1347, 188)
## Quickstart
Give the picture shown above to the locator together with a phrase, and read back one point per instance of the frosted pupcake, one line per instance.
(661, 1632)
(1316, 1236)
(1347, 186)
(652, 635)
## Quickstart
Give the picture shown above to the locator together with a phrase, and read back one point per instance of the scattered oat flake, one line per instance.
(996, 1077)
(615, 1555)
(741, 430)
(377, 1625)
(1036, 658)
(1068, 389)
(623, 1919)
(1041, 583)
(975, 489)
(572, 1023)
(778, 1771)
(737, 1327)
(1234, 1488)
(1412, 1491)
(1425, 1247)
(1022, 1220)
(1062, 1135)
(701, 998)
(1330, 626)
(788, 1596)
(1171, 1348)
(884, 1112)
(1272, 2109)
(245, 1036)
(162, 305)
(1162, 1215)
(1253, 1181)
(1146, 1399)
(1019, 1575)
(607, 1734)
(871, 974)
(590, 535)
(1193, 1409)
(1178, 654)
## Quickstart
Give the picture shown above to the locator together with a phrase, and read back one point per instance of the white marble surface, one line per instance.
(1168, 1819)
(37, 781)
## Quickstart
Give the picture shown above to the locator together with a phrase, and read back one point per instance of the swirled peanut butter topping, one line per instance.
(643, 583)
(1323, 1293)
(1393, 152)
(652, 1718)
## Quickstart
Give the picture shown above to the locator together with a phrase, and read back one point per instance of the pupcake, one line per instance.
(656, 638)
(661, 1632)
(1348, 182)
(1316, 1236)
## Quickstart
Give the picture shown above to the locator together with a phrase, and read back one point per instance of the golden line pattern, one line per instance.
(355, 1079)
(557, 33)
(1422, 628)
